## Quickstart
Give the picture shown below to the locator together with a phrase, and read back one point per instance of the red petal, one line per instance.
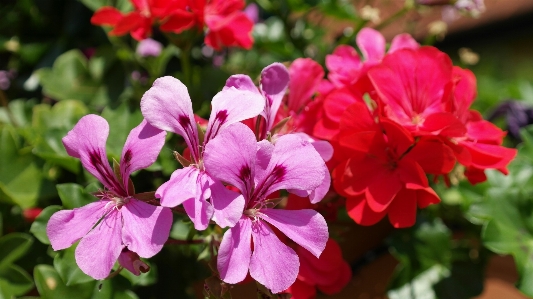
(402, 211)
(128, 23)
(361, 213)
(433, 155)
(383, 188)
(106, 16)
(179, 21)
(301, 290)
(444, 124)
(344, 277)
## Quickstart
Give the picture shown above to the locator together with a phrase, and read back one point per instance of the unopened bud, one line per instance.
(131, 261)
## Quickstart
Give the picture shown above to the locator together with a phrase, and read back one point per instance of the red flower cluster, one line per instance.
(226, 24)
(395, 117)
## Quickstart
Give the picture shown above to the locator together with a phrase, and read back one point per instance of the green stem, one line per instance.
(185, 59)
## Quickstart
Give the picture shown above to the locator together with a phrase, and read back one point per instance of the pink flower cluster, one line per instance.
(230, 179)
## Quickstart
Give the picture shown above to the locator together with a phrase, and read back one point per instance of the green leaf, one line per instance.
(12, 247)
(14, 281)
(65, 264)
(51, 286)
(20, 177)
(73, 195)
(21, 111)
(69, 78)
(505, 209)
(38, 227)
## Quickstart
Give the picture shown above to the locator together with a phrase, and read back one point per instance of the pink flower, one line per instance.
(118, 220)
(257, 170)
(167, 106)
(273, 85)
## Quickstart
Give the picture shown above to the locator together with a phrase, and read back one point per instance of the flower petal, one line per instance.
(358, 209)
(371, 43)
(273, 264)
(86, 141)
(227, 205)
(106, 16)
(295, 164)
(402, 211)
(180, 187)
(98, 251)
(274, 82)
(167, 106)
(403, 41)
(146, 227)
(232, 105)
(198, 209)
(305, 227)
(68, 226)
(239, 145)
(305, 77)
(141, 149)
(241, 82)
(235, 252)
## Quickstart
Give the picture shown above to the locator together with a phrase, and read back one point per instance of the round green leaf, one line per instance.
(74, 196)
(51, 286)
(12, 247)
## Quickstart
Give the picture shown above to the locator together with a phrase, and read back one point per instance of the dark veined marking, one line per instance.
(184, 121)
(127, 157)
(245, 173)
(222, 116)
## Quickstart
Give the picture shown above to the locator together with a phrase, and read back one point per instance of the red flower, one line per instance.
(329, 273)
(139, 22)
(381, 174)
(227, 24)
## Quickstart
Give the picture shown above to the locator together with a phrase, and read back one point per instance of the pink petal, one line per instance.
(274, 82)
(86, 141)
(68, 226)
(180, 187)
(305, 227)
(198, 209)
(231, 157)
(264, 152)
(167, 106)
(241, 82)
(141, 149)
(145, 228)
(318, 194)
(273, 264)
(306, 75)
(227, 205)
(403, 41)
(98, 251)
(230, 106)
(324, 149)
(371, 43)
(295, 164)
(235, 252)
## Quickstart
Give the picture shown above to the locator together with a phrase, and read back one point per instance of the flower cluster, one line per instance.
(230, 177)
(395, 117)
(227, 25)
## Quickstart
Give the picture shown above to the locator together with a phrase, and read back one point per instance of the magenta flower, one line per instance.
(167, 106)
(273, 85)
(258, 169)
(118, 221)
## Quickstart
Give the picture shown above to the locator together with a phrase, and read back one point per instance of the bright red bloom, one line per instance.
(227, 24)
(329, 273)
(139, 22)
(480, 148)
(348, 74)
(415, 89)
(381, 172)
